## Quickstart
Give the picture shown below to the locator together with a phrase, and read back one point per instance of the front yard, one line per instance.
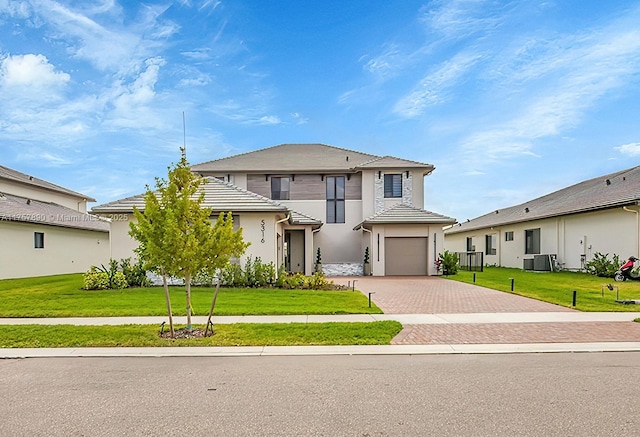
(557, 287)
(62, 296)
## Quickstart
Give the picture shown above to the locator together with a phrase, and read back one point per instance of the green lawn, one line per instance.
(62, 296)
(245, 334)
(557, 287)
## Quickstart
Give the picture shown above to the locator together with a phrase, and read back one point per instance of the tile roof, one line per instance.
(304, 158)
(609, 191)
(16, 176)
(298, 218)
(20, 209)
(406, 214)
(220, 196)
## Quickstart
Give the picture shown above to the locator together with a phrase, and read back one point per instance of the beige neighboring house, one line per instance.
(292, 199)
(571, 225)
(45, 228)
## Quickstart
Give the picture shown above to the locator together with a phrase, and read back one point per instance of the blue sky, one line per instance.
(509, 100)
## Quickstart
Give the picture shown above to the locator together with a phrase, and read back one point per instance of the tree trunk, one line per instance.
(166, 295)
(187, 281)
(213, 305)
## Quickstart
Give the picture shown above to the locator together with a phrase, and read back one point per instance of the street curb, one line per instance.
(263, 351)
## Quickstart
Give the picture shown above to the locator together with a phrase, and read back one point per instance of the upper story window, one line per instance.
(393, 185)
(280, 188)
(508, 236)
(335, 199)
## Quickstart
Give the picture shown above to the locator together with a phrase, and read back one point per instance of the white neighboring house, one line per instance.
(45, 228)
(292, 199)
(572, 224)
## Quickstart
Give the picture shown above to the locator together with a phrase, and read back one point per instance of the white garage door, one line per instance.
(405, 256)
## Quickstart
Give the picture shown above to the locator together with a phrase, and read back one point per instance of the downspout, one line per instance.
(637, 226)
(276, 235)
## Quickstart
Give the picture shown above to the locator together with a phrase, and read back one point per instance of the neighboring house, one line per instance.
(45, 228)
(572, 224)
(292, 199)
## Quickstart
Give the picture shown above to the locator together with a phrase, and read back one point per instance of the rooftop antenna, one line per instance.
(184, 134)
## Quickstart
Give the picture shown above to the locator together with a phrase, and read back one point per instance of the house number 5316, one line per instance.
(262, 230)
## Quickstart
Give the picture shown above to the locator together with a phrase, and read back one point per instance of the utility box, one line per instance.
(542, 263)
(528, 263)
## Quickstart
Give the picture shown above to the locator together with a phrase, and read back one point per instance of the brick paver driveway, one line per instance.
(433, 295)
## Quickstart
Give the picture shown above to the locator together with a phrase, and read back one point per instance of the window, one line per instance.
(532, 241)
(508, 236)
(470, 246)
(335, 199)
(38, 240)
(279, 188)
(490, 244)
(393, 185)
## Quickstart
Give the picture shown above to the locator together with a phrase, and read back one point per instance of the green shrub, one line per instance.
(602, 266)
(318, 282)
(449, 262)
(135, 274)
(95, 280)
(118, 281)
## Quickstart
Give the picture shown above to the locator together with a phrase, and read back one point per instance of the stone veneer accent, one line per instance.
(407, 190)
(342, 269)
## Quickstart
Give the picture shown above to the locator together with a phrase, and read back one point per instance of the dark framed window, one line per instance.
(393, 185)
(280, 188)
(38, 240)
(532, 241)
(470, 246)
(335, 199)
(490, 244)
(508, 236)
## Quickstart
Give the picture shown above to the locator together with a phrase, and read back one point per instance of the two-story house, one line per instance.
(294, 199)
(45, 228)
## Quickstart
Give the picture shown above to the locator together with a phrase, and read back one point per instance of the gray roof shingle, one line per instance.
(16, 176)
(406, 214)
(301, 158)
(20, 209)
(609, 191)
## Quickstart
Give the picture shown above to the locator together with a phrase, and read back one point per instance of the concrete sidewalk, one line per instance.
(405, 319)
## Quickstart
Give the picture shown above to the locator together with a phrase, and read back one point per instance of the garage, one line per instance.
(405, 256)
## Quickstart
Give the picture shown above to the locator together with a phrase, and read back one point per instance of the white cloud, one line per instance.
(631, 149)
(433, 88)
(31, 75)
(269, 119)
(459, 18)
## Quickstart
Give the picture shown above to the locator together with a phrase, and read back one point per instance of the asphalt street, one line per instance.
(579, 394)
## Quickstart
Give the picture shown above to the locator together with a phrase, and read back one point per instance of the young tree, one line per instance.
(176, 234)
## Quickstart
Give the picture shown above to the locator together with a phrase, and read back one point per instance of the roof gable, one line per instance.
(16, 176)
(608, 191)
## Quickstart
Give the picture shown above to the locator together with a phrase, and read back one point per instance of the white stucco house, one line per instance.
(597, 215)
(292, 199)
(45, 228)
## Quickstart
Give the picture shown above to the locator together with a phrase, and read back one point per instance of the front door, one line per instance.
(294, 251)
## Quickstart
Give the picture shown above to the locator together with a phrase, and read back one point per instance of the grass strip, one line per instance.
(592, 293)
(62, 296)
(240, 334)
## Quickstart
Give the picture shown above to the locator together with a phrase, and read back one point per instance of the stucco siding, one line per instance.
(65, 250)
(43, 195)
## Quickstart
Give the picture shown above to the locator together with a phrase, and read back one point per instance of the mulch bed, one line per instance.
(186, 333)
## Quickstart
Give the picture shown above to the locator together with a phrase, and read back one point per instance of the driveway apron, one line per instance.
(434, 295)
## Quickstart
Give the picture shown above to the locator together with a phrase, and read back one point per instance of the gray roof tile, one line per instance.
(406, 214)
(20, 209)
(16, 176)
(286, 158)
(608, 191)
